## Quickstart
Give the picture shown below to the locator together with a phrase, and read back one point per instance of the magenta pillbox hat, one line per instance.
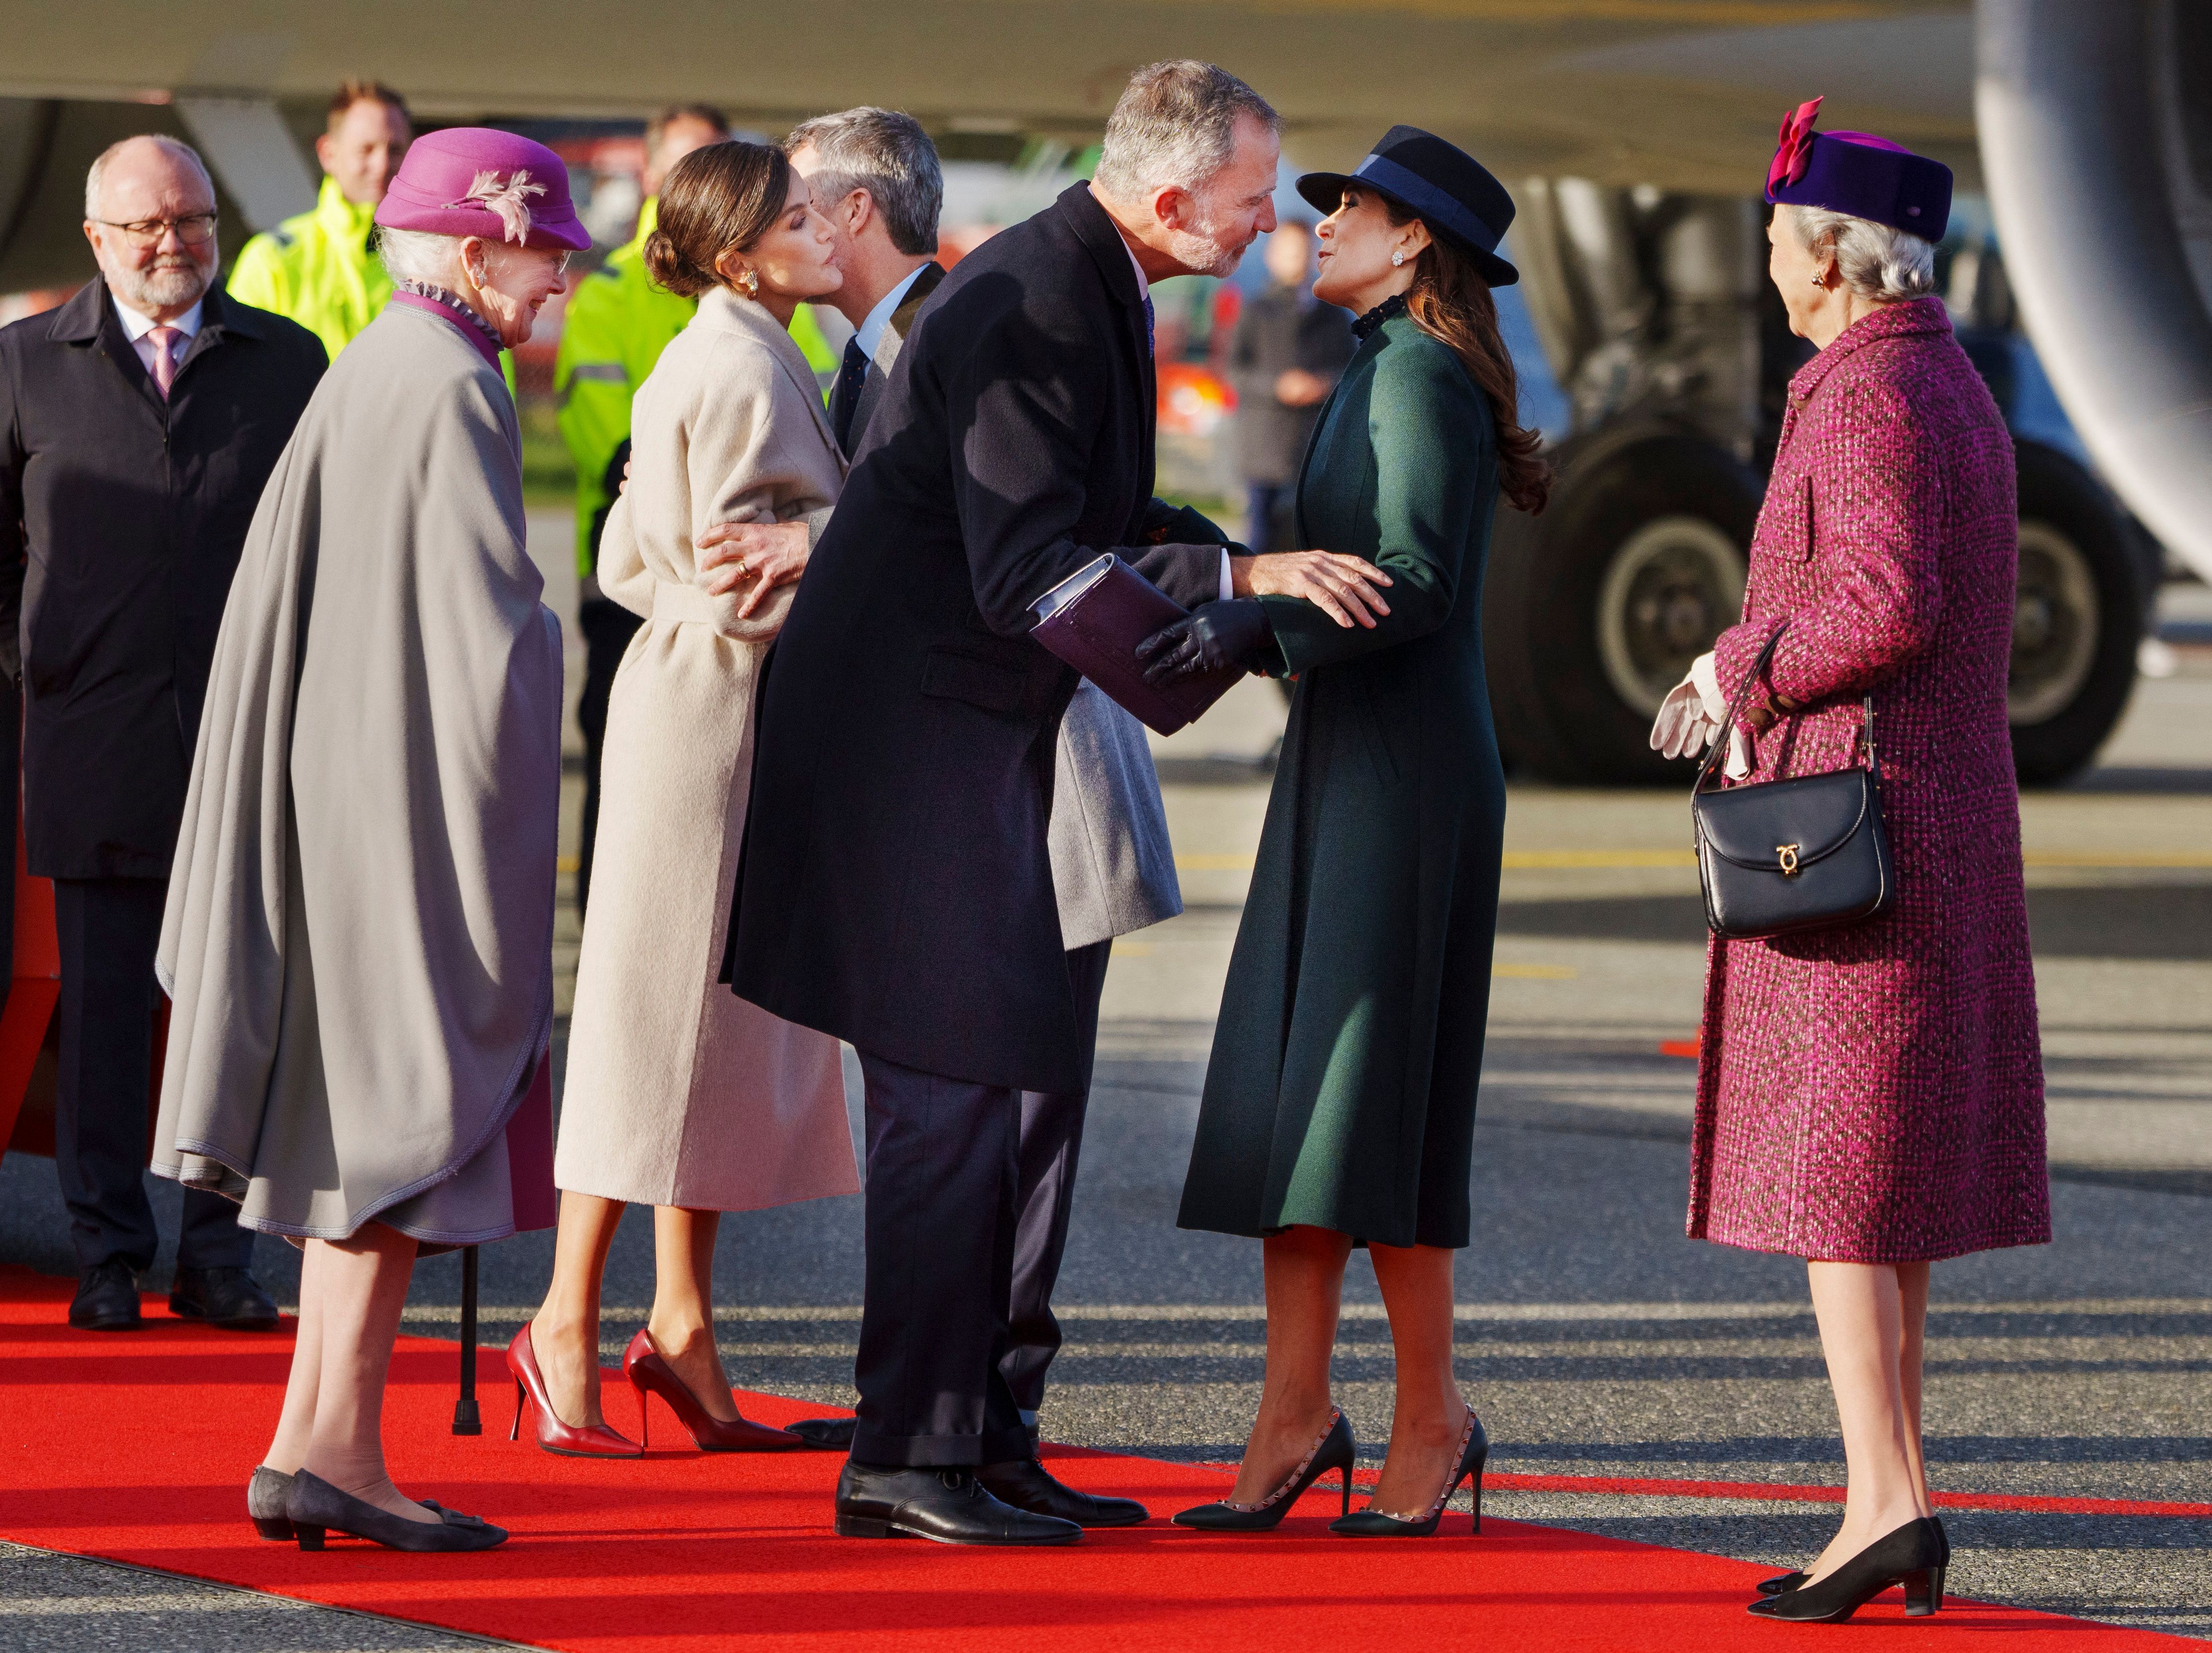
(472, 180)
(1858, 173)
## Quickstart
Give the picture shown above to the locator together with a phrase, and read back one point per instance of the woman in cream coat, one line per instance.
(677, 1093)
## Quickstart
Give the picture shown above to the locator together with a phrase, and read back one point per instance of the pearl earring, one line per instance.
(1399, 257)
(750, 281)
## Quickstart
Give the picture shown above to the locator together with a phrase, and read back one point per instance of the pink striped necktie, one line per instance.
(165, 359)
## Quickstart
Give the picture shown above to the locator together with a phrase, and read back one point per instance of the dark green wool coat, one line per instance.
(1341, 1089)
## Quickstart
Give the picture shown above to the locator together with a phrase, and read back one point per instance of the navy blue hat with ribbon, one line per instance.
(1452, 192)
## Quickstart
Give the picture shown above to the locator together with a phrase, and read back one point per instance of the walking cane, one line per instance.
(467, 1419)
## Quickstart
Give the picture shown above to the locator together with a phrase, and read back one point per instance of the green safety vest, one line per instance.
(317, 270)
(617, 325)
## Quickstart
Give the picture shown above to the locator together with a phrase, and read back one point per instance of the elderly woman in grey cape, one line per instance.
(358, 940)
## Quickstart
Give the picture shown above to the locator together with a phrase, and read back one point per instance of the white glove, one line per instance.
(1707, 681)
(1683, 728)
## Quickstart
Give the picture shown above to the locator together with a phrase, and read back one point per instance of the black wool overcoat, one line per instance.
(121, 518)
(894, 888)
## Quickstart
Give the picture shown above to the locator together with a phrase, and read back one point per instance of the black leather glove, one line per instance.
(1218, 637)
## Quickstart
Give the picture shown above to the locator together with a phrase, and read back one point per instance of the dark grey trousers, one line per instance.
(1052, 1138)
(951, 1201)
(109, 930)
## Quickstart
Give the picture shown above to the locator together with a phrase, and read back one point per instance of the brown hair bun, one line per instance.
(716, 200)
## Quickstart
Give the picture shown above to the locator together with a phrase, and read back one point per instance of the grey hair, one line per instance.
(888, 154)
(1876, 261)
(1175, 122)
(175, 150)
(420, 255)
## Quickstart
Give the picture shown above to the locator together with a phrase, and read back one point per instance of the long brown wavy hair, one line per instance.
(1451, 301)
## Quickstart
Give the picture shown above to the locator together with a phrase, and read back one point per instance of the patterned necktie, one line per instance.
(845, 399)
(1152, 333)
(165, 358)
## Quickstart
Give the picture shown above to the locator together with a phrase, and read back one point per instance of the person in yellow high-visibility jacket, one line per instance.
(317, 269)
(616, 326)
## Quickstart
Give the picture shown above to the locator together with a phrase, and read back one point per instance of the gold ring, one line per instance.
(741, 567)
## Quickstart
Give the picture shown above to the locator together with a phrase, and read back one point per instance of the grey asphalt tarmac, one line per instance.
(1595, 1338)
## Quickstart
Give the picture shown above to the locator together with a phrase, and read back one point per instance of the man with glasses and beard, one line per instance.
(137, 424)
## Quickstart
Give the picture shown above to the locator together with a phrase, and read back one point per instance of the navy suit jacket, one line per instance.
(895, 888)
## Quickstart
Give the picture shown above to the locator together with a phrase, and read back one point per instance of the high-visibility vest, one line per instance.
(317, 270)
(617, 325)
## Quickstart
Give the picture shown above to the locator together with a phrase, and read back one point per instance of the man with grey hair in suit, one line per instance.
(874, 175)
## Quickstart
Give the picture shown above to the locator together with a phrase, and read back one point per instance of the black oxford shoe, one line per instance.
(227, 1297)
(106, 1299)
(1028, 1485)
(946, 1504)
(824, 1434)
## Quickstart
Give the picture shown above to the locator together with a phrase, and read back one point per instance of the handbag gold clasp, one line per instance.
(1789, 853)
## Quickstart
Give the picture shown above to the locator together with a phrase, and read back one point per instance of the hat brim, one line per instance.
(1324, 193)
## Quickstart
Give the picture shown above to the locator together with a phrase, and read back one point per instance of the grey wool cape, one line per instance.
(358, 941)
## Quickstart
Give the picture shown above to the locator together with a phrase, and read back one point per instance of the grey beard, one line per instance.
(164, 287)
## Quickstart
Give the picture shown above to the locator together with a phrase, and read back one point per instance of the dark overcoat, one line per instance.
(121, 518)
(1280, 328)
(1875, 1094)
(1341, 1089)
(895, 888)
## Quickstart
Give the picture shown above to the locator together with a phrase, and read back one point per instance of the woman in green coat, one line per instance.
(1340, 1101)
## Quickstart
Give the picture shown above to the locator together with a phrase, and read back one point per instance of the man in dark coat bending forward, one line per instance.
(896, 888)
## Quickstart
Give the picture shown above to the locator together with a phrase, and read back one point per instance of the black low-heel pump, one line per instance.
(1782, 1584)
(1335, 1449)
(314, 1507)
(1914, 1556)
(264, 1503)
(1473, 1452)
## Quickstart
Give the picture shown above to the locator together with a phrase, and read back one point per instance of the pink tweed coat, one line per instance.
(1875, 1094)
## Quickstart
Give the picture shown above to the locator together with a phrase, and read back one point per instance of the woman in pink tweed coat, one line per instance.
(1871, 1098)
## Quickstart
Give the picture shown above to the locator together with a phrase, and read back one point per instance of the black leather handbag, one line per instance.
(1780, 857)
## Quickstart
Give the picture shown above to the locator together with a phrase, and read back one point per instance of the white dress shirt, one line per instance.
(870, 331)
(136, 327)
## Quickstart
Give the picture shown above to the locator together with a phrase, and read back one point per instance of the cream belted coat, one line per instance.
(679, 1093)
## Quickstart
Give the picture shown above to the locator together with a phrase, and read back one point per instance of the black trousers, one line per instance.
(1051, 1140)
(109, 930)
(607, 627)
(1266, 517)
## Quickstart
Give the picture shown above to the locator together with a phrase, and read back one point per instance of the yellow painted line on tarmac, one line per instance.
(2162, 861)
(1531, 859)
(1213, 863)
(1536, 972)
(564, 863)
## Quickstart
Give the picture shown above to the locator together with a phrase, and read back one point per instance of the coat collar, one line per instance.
(1925, 315)
(723, 311)
(88, 314)
(1096, 229)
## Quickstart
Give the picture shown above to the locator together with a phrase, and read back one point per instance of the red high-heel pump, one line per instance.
(648, 1371)
(568, 1440)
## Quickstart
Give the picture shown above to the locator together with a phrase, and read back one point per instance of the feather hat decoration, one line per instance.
(509, 200)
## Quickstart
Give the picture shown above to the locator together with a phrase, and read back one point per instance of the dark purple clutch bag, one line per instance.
(1094, 620)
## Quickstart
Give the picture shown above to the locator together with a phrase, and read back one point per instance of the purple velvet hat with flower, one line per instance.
(472, 180)
(1858, 173)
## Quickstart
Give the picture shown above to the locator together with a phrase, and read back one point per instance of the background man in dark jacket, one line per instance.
(896, 888)
(1287, 353)
(138, 425)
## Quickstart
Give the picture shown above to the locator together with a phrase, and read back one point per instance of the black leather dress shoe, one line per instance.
(1028, 1485)
(825, 1434)
(228, 1297)
(946, 1504)
(106, 1299)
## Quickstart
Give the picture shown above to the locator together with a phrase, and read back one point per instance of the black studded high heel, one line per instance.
(1473, 1452)
(1914, 1556)
(1335, 1449)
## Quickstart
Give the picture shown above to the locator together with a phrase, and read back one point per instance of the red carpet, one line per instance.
(138, 1447)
